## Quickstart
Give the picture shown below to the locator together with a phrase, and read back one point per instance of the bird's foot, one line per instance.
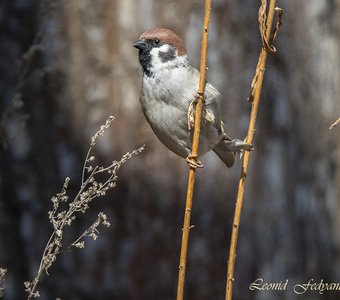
(249, 147)
(193, 162)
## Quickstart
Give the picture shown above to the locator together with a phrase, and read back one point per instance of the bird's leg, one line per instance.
(193, 162)
(191, 113)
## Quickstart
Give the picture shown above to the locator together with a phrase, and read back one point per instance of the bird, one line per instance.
(169, 97)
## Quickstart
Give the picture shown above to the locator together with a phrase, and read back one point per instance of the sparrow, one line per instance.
(169, 95)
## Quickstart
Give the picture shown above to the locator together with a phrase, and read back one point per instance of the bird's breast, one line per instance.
(165, 102)
(166, 112)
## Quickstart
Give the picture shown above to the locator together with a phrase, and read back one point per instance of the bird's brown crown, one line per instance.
(165, 36)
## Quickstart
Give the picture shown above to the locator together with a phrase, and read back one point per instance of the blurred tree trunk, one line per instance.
(18, 25)
(82, 68)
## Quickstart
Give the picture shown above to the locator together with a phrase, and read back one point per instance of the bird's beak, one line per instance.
(140, 44)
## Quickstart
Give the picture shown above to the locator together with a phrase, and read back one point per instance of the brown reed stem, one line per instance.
(257, 86)
(194, 153)
(337, 122)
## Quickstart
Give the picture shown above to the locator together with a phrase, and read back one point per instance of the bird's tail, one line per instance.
(227, 156)
(227, 149)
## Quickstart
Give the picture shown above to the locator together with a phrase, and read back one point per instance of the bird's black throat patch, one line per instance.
(145, 61)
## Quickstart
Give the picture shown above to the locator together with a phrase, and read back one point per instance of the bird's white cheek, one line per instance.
(156, 61)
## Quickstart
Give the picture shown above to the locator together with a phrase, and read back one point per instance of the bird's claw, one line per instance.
(247, 147)
(193, 162)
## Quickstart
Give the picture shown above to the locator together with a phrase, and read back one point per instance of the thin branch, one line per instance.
(337, 122)
(265, 29)
(194, 154)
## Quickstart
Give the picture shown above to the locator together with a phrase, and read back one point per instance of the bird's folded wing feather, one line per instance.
(212, 107)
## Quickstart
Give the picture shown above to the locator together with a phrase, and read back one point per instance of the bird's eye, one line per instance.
(157, 42)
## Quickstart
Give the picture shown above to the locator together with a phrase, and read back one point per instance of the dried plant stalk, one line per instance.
(2, 281)
(194, 154)
(256, 87)
(337, 122)
(95, 182)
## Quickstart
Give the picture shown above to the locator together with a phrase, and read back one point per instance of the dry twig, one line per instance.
(95, 182)
(2, 281)
(267, 46)
(194, 154)
(265, 24)
(337, 122)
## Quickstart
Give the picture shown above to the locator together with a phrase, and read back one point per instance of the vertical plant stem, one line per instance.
(251, 130)
(194, 153)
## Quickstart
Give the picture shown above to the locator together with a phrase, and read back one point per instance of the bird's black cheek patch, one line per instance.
(167, 56)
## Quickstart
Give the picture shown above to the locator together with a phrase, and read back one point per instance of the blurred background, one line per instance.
(66, 65)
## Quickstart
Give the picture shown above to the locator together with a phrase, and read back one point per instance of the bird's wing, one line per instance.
(212, 109)
(212, 99)
(212, 96)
